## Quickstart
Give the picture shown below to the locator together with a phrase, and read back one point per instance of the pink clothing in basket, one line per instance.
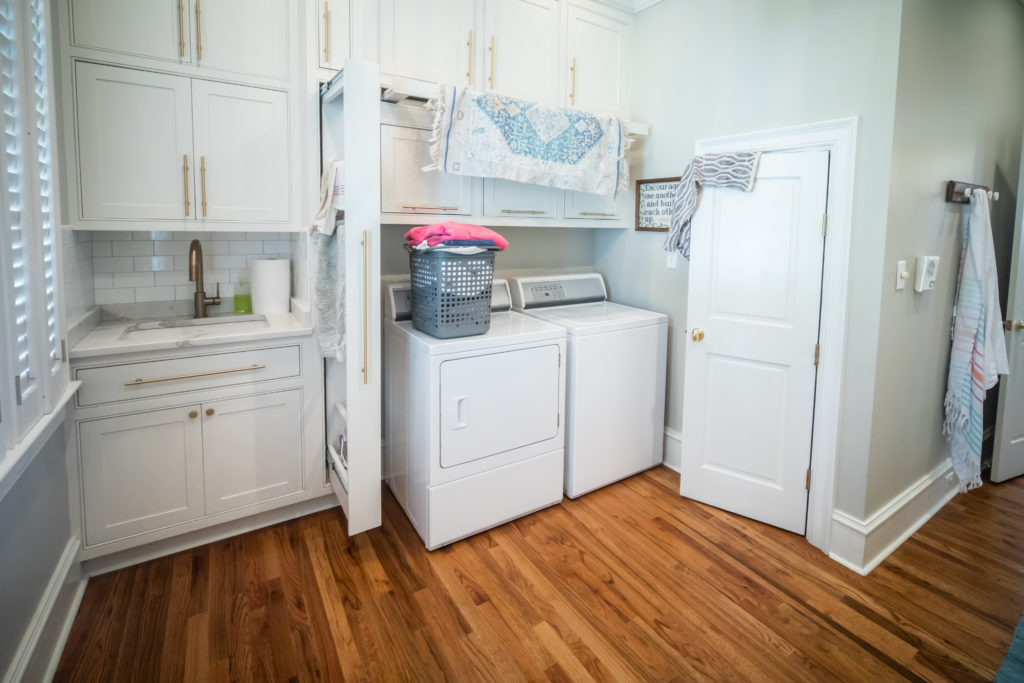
(439, 233)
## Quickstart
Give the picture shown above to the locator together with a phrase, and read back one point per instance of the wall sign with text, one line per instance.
(654, 199)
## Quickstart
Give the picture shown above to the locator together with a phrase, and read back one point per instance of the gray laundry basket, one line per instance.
(451, 293)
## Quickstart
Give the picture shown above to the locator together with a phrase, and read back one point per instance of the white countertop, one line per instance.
(111, 338)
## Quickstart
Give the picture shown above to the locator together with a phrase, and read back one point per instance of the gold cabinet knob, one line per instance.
(697, 334)
(193, 414)
(209, 411)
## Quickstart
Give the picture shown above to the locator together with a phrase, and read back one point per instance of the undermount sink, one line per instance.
(174, 327)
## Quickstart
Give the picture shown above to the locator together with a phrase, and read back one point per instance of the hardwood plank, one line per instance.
(630, 582)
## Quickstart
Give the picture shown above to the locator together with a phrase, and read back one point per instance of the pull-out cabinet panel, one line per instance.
(406, 188)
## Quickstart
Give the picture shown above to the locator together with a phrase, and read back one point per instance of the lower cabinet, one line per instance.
(141, 472)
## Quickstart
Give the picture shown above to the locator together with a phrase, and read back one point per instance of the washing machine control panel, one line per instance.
(557, 290)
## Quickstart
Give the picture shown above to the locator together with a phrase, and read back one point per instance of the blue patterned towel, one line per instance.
(494, 136)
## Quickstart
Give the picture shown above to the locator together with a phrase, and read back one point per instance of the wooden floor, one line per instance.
(628, 583)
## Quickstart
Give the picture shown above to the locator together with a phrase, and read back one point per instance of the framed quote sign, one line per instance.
(654, 198)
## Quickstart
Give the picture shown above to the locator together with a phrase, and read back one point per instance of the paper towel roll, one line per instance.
(271, 285)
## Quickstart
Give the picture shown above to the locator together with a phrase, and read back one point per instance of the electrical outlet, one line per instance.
(672, 259)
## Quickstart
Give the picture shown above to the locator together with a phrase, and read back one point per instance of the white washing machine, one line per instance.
(615, 402)
(473, 426)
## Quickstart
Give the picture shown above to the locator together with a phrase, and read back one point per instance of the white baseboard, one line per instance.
(673, 453)
(861, 545)
(39, 651)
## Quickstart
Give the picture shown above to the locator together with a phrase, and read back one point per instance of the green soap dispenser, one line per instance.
(243, 295)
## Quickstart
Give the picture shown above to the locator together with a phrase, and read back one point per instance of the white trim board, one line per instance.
(862, 544)
(839, 138)
(673, 449)
(50, 626)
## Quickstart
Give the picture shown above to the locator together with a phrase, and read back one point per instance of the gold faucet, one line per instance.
(195, 274)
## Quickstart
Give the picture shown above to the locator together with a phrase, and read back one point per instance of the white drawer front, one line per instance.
(162, 377)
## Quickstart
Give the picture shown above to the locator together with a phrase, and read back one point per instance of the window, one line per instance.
(31, 366)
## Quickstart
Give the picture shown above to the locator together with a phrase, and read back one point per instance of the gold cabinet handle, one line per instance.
(430, 208)
(185, 171)
(199, 32)
(697, 334)
(181, 28)
(193, 414)
(572, 70)
(366, 306)
(490, 79)
(202, 174)
(469, 69)
(597, 213)
(140, 381)
(327, 36)
(209, 412)
(530, 211)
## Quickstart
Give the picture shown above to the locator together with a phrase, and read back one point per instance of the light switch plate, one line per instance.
(672, 259)
(901, 275)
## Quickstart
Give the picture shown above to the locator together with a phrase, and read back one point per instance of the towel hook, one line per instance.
(958, 192)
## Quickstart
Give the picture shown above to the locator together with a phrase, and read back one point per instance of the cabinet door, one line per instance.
(134, 144)
(406, 188)
(252, 449)
(141, 472)
(509, 199)
(333, 44)
(521, 54)
(244, 36)
(590, 206)
(597, 61)
(432, 41)
(148, 28)
(241, 152)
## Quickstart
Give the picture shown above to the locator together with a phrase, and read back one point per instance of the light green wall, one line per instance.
(959, 115)
(704, 68)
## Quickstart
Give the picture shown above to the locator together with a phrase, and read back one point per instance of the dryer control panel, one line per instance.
(557, 290)
(397, 298)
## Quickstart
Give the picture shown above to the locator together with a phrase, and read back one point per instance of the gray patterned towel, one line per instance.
(736, 170)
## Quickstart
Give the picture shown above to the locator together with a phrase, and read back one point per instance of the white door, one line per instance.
(141, 472)
(432, 41)
(159, 29)
(752, 319)
(241, 152)
(597, 69)
(590, 207)
(499, 402)
(244, 36)
(521, 54)
(333, 44)
(406, 188)
(252, 449)
(1008, 452)
(134, 144)
(508, 199)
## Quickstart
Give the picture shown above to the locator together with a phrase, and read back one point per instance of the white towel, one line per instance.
(978, 355)
(494, 136)
(332, 197)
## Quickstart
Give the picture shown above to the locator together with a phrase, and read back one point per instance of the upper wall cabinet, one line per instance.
(521, 55)
(243, 36)
(161, 30)
(334, 29)
(597, 60)
(432, 41)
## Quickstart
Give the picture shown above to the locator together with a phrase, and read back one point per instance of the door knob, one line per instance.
(1013, 325)
(697, 334)
(209, 411)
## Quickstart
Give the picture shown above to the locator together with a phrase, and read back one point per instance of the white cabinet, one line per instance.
(406, 188)
(333, 33)
(158, 29)
(241, 152)
(134, 143)
(432, 41)
(160, 147)
(590, 206)
(597, 74)
(251, 449)
(508, 199)
(521, 53)
(243, 36)
(141, 472)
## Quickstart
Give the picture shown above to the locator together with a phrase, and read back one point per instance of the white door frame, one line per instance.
(839, 138)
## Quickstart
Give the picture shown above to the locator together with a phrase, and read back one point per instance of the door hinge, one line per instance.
(807, 484)
(817, 353)
(63, 350)
(824, 224)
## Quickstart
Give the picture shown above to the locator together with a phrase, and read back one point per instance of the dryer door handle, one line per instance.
(461, 414)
